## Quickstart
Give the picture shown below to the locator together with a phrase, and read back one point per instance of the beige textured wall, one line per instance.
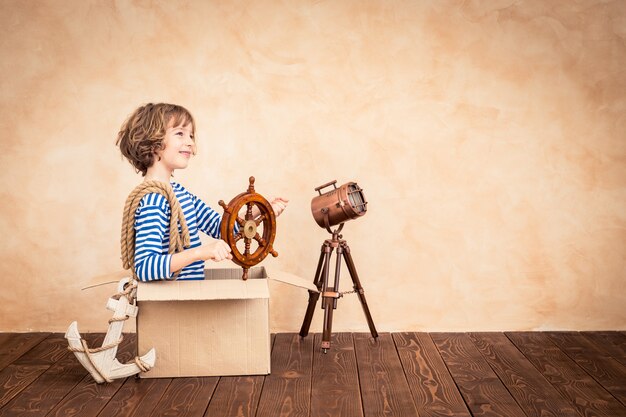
(489, 137)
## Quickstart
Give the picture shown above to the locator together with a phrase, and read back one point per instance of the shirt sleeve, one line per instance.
(208, 219)
(151, 227)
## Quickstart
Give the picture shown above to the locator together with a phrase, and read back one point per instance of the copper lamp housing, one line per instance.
(338, 205)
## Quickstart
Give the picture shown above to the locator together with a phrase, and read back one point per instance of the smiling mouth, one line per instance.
(186, 153)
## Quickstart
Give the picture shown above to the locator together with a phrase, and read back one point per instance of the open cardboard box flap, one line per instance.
(220, 284)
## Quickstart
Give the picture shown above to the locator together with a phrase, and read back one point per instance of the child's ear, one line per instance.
(157, 152)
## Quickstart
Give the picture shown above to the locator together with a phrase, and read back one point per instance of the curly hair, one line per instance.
(142, 134)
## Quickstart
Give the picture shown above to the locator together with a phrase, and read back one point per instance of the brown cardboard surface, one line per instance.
(206, 338)
(209, 289)
(218, 326)
(210, 274)
(291, 279)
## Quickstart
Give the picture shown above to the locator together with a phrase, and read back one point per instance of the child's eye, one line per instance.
(179, 133)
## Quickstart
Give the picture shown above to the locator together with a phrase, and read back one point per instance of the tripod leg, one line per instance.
(359, 289)
(328, 323)
(329, 302)
(314, 296)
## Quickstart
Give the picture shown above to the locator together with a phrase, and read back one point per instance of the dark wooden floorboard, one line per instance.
(611, 343)
(587, 396)
(287, 390)
(531, 390)
(482, 390)
(30, 365)
(236, 396)
(335, 390)
(434, 375)
(433, 388)
(137, 397)
(87, 398)
(14, 345)
(186, 397)
(384, 388)
(607, 371)
(38, 398)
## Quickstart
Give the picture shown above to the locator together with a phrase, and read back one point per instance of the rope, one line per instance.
(141, 364)
(96, 367)
(114, 319)
(179, 240)
(95, 350)
(88, 351)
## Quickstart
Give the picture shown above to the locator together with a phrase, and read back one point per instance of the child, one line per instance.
(158, 139)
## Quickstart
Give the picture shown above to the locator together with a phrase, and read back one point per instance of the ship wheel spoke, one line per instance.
(240, 221)
(249, 211)
(259, 239)
(260, 219)
(238, 237)
(246, 252)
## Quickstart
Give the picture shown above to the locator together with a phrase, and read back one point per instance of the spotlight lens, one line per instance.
(355, 196)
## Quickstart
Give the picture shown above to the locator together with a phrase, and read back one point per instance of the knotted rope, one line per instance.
(179, 240)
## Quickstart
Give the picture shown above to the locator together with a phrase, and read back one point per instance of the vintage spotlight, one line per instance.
(338, 205)
(333, 208)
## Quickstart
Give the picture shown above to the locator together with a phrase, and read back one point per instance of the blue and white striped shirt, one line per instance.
(152, 234)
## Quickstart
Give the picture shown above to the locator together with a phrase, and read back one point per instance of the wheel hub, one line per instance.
(249, 229)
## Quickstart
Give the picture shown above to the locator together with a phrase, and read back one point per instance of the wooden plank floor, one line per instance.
(401, 374)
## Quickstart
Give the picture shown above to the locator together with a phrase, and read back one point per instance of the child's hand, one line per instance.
(279, 204)
(217, 251)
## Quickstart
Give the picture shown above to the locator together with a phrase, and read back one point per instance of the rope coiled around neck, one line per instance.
(178, 240)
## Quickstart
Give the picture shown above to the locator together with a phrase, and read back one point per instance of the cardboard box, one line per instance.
(215, 327)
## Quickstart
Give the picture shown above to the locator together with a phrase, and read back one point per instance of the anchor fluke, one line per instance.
(101, 362)
(98, 365)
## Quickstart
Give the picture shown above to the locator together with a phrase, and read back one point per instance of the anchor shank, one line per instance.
(114, 332)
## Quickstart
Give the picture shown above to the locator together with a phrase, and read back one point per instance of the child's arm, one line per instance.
(209, 220)
(279, 204)
(217, 251)
(151, 223)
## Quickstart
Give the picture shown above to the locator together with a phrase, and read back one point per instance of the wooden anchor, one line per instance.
(101, 362)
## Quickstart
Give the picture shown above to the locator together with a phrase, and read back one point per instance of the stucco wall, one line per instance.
(489, 138)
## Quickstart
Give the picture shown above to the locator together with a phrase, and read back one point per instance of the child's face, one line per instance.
(178, 146)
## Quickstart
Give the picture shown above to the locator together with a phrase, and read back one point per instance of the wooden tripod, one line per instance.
(330, 294)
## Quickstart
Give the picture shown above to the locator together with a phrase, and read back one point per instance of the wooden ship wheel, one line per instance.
(253, 242)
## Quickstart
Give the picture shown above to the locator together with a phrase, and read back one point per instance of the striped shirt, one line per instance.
(152, 234)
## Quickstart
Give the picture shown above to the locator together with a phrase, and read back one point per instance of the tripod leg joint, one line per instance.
(331, 294)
